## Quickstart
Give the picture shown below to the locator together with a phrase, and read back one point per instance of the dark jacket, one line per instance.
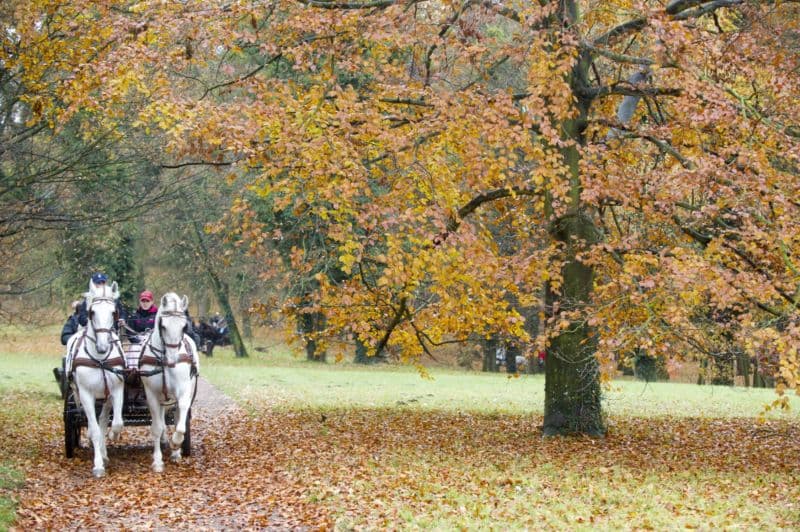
(190, 329)
(83, 315)
(143, 320)
(70, 328)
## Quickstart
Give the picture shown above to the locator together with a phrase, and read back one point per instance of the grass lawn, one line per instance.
(381, 447)
(284, 380)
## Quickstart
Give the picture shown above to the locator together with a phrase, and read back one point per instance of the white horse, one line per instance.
(169, 369)
(96, 365)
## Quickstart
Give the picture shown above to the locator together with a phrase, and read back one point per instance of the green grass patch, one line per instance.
(11, 479)
(287, 382)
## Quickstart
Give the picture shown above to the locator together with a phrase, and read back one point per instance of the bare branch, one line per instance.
(242, 78)
(621, 30)
(379, 4)
(628, 90)
(195, 163)
(663, 145)
(472, 206)
(705, 9)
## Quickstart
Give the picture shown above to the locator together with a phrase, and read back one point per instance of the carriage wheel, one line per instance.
(186, 446)
(72, 428)
(63, 383)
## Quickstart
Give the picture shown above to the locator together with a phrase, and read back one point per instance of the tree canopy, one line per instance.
(630, 166)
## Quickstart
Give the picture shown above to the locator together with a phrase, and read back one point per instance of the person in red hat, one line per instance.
(144, 318)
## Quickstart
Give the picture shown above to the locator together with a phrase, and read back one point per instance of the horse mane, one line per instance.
(170, 302)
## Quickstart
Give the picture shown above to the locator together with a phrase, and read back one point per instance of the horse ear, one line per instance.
(115, 290)
(184, 302)
(163, 301)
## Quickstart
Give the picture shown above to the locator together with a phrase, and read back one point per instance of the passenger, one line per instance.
(190, 330)
(71, 325)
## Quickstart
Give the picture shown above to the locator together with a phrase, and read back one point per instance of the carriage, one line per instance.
(135, 412)
(150, 383)
(211, 333)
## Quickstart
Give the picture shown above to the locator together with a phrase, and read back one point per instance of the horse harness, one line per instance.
(108, 364)
(159, 360)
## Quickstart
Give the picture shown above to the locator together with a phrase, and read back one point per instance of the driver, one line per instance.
(99, 279)
(144, 318)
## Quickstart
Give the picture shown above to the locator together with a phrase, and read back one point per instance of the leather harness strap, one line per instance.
(107, 364)
(161, 363)
(155, 361)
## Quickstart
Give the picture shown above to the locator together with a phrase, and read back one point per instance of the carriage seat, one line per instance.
(133, 352)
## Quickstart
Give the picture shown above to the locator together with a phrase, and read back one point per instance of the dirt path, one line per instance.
(220, 486)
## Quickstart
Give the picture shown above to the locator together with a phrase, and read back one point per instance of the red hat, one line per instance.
(147, 295)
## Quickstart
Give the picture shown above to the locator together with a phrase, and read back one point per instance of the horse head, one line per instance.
(172, 323)
(101, 306)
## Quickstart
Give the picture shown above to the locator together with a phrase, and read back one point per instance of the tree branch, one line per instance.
(663, 145)
(242, 78)
(627, 90)
(619, 31)
(379, 4)
(472, 206)
(686, 14)
(195, 163)
(396, 320)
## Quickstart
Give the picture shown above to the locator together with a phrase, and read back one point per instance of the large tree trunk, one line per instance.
(572, 384)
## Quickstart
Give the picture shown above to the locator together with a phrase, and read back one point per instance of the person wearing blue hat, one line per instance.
(99, 279)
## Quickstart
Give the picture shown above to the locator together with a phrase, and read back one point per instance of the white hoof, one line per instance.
(175, 456)
(98, 472)
(158, 468)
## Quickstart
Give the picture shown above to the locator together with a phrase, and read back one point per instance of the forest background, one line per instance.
(604, 182)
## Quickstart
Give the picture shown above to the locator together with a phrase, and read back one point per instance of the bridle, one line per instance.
(90, 313)
(171, 314)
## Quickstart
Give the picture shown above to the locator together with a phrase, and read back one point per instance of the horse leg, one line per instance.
(157, 426)
(95, 434)
(117, 397)
(183, 404)
(102, 424)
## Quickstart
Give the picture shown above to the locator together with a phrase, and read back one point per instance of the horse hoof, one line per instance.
(176, 457)
(158, 468)
(98, 472)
